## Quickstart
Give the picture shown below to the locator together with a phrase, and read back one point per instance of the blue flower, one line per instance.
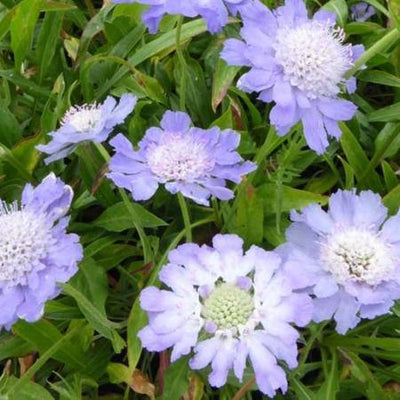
(300, 64)
(35, 250)
(348, 257)
(215, 12)
(196, 162)
(360, 12)
(87, 123)
(227, 306)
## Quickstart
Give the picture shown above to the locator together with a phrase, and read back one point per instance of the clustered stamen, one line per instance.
(228, 306)
(358, 255)
(24, 238)
(182, 158)
(313, 57)
(83, 118)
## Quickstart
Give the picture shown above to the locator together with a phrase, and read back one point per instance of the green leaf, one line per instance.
(389, 113)
(302, 391)
(22, 27)
(95, 316)
(117, 218)
(292, 199)
(176, 379)
(223, 77)
(379, 77)
(392, 200)
(10, 130)
(27, 391)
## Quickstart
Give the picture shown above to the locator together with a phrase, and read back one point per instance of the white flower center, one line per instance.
(24, 239)
(83, 118)
(358, 255)
(313, 57)
(228, 306)
(180, 159)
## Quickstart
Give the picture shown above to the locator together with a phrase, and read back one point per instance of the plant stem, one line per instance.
(389, 39)
(182, 62)
(185, 215)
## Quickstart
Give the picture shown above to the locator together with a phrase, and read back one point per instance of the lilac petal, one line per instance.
(156, 300)
(324, 308)
(234, 52)
(346, 314)
(205, 351)
(175, 121)
(332, 127)
(337, 109)
(314, 130)
(371, 311)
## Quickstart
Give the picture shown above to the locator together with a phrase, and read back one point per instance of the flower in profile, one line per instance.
(228, 306)
(300, 64)
(347, 256)
(196, 162)
(87, 123)
(35, 250)
(215, 12)
(362, 11)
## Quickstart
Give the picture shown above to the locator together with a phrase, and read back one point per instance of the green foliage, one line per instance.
(55, 54)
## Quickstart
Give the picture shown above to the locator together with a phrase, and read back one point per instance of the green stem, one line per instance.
(186, 218)
(135, 219)
(182, 61)
(389, 39)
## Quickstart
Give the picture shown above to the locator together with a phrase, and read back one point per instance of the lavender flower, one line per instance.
(193, 161)
(360, 12)
(228, 306)
(215, 12)
(300, 64)
(35, 250)
(348, 257)
(85, 123)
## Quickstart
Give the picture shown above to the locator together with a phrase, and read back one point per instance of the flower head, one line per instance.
(362, 11)
(348, 257)
(228, 306)
(215, 12)
(35, 250)
(300, 64)
(193, 161)
(93, 122)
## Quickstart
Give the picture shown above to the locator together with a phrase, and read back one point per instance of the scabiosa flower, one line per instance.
(215, 12)
(35, 250)
(360, 12)
(347, 256)
(300, 64)
(196, 162)
(93, 122)
(228, 306)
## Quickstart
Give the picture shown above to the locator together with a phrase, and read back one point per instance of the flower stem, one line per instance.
(389, 39)
(185, 215)
(182, 62)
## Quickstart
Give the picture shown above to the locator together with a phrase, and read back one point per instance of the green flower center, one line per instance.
(228, 306)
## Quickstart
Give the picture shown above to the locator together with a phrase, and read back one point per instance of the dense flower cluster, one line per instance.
(87, 123)
(228, 306)
(35, 250)
(348, 257)
(300, 64)
(215, 12)
(196, 162)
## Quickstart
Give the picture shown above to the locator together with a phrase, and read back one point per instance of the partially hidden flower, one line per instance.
(36, 252)
(196, 162)
(362, 11)
(228, 306)
(347, 257)
(300, 64)
(87, 123)
(214, 12)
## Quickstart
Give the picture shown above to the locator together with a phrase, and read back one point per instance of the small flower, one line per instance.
(227, 306)
(347, 257)
(360, 12)
(300, 64)
(35, 250)
(87, 123)
(215, 12)
(193, 161)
